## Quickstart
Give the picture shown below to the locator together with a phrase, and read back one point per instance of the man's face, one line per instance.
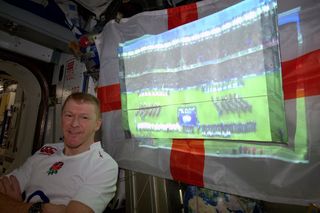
(79, 124)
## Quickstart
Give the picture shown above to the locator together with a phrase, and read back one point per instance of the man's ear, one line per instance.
(98, 124)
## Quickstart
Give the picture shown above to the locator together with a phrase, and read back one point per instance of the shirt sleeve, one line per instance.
(23, 173)
(100, 185)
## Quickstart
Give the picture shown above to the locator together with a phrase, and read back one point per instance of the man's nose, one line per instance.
(75, 121)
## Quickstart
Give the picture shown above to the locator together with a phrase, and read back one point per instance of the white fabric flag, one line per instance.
(284, 173)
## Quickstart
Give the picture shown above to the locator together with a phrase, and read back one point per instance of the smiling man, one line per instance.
(74, 176)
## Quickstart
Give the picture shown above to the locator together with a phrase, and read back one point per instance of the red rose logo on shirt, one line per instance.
(55, 168)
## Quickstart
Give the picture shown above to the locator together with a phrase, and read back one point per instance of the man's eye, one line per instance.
(68, 115)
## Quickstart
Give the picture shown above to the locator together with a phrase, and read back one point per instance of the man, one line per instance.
(74, 176)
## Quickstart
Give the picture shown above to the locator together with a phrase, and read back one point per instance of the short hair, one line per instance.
(81, 97)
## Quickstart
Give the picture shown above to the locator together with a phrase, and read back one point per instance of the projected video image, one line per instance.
(218, 77)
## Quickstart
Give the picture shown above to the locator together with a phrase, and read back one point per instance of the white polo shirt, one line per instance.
(89, 177)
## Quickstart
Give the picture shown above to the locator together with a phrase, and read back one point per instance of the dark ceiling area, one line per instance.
(45, 27)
